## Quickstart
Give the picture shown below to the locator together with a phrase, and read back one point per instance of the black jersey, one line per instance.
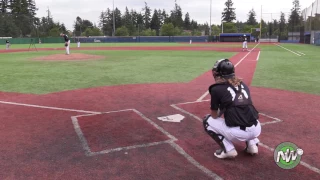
(66, 38)
(7, 42)
(244, 39)
(235, 103)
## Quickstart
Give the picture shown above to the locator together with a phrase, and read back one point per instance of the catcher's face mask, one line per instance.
(215, 69)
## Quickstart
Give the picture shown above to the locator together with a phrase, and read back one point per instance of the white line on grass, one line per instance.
(288, 49)
(301, 53)
(258, 56)
(206, 93)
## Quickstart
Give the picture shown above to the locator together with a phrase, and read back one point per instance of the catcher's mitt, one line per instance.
(66, 44)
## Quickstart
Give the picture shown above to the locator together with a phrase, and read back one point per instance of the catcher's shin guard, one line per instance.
(218, 138)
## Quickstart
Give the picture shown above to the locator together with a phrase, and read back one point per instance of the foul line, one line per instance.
(288, 49)
(301, 53)
(206, 93)
(258, 56)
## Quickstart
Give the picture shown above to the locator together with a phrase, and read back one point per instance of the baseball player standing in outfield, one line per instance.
(66, 43)
(7, 44)
(245, 43)
(231, 97)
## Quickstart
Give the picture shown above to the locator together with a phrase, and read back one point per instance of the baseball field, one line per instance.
(95, 112)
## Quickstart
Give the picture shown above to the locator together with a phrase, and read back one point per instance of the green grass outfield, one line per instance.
(281, 69)
(20, 74)
(276, 68)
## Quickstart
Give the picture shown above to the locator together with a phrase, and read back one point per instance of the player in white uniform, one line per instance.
(231, 97)
(7, 44)
(245, 43)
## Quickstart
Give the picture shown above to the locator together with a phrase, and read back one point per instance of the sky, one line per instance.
(66, 11)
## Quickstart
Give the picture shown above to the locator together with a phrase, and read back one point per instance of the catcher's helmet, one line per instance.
(223, 68)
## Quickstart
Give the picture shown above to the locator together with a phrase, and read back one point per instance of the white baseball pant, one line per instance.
(234, 134)
(68, 48)
(245, 45)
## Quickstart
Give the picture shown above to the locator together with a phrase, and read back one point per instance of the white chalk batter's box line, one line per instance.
(275, 120)
(91, 113)
(87, 149)
(171, 142)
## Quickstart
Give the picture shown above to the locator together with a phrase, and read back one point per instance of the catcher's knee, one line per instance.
(218, 138)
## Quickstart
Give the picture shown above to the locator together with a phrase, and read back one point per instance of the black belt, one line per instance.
(244, 127)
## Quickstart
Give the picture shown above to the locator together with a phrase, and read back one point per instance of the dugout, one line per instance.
(234, 37)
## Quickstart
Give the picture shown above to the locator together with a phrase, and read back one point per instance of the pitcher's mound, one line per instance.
(70, 57)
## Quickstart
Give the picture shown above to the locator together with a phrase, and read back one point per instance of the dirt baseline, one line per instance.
(70, 57)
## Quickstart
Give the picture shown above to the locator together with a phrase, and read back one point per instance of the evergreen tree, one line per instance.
(128, 21)
(147, 15)
(3, 6)
(194, 25)
(187, 23)
(32, 7)
(165, 17)
(282, 23)
(229, 14)
(176, 16)
(155, 22)
(294, 19)
(161, 19)
(252, 18)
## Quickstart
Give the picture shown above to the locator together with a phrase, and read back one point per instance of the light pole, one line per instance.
(114, 22)
(210, 31)
(222, 25)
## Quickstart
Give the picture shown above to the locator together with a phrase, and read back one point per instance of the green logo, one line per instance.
(287, 155)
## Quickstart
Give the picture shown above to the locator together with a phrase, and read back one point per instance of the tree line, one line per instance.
(18, 19)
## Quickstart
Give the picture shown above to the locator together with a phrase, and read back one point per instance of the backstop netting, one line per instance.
(311, 22)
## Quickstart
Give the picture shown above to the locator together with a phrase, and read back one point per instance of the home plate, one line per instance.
(172, 118)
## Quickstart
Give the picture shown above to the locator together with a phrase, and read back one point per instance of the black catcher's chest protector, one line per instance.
(240, 96)
(235, 103)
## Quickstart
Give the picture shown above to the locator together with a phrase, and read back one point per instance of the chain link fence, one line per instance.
(311, 22)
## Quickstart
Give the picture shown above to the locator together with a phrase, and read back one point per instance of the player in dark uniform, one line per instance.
(231, 97)
(7, 44)
(66, 42)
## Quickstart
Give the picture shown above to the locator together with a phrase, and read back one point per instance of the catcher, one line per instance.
(231, 97)
(66, 43)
